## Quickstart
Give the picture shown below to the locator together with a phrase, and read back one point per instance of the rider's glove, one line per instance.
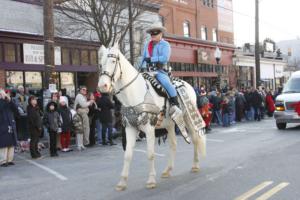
(147, 60)
(142, 69)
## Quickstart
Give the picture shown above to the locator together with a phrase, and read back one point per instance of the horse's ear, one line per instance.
(116, 45)
(101, 52)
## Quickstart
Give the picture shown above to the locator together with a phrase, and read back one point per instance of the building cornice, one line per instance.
(197, 42)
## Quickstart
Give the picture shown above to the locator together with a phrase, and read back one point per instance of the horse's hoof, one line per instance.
(121, 187)
(165, 175)
(151, 185)
(195, 169)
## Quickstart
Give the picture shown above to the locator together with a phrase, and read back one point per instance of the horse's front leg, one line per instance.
(151, 183)
(172, 145)
(131, 134)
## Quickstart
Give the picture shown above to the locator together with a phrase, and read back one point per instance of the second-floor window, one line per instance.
(186, 29)
(215, 35)
(203, 33)
(208, 3)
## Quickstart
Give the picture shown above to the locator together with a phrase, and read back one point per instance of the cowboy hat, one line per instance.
(156, 27)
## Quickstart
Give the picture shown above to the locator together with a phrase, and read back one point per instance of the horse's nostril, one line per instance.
(105, 85)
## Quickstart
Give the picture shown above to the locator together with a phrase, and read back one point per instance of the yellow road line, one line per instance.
(272, 191)
(254, 190)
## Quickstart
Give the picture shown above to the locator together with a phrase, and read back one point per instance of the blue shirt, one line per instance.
(161, 52)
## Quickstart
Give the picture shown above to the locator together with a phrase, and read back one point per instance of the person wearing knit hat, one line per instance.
(66, 123)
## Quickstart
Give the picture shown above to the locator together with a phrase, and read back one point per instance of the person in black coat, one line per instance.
(8, 131)
(240, 104)
(105, 104)
(257, 100)
(35, 126)
(93, 114)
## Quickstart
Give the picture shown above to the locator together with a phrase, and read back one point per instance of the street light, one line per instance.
(218, 54)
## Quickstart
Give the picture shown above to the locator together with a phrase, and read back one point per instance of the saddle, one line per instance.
(159, 89)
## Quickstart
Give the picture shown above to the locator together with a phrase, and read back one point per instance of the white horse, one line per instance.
(130, 87)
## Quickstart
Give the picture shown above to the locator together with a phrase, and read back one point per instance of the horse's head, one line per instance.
(111, 68)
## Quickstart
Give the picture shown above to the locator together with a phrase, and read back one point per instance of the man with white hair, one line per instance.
(81, 99)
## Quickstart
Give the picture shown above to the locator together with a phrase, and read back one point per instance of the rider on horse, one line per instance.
(157, 54)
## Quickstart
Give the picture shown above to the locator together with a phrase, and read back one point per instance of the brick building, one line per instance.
(195, 29)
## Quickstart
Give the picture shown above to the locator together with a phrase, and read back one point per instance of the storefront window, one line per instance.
(18, 53)
(68, 83)
(14, 79)
(33, 80)
(75, 57)
(66, 56)
(10, 53)
(93, 57)
(84, 57)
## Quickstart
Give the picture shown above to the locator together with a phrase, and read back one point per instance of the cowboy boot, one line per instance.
(177, 117)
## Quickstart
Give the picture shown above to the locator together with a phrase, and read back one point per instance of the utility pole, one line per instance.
(48, 43)
(131, 43)
(257, 51)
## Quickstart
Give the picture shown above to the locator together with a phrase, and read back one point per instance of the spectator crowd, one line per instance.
(226, 107)
(88, 119)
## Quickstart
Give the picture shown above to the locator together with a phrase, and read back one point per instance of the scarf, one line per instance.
(150, 48)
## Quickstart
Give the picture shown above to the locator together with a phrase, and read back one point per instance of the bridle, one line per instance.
(112, 76)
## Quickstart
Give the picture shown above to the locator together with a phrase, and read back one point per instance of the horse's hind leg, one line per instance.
(131, 139)
(149, 130)
(172, 145)
(196, 142)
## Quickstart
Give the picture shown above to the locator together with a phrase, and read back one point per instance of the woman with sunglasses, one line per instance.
(157, 54)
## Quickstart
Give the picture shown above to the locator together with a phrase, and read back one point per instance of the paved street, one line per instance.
(246, 161)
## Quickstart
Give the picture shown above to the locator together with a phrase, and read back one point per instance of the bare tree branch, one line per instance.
(107, 18)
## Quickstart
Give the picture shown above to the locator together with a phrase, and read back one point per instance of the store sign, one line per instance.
(34, 54)
(278, 71)
(203, 56)
(52, 88)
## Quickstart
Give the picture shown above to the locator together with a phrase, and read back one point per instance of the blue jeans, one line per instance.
(164, 80)
(218, 117)
(257, 113)
(250, 114)
(226, 119)
(106, 127)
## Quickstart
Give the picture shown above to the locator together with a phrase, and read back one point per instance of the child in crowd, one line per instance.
(78, 128)
(53, 124)
(66, 123)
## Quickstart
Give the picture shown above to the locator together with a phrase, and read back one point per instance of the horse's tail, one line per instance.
(198, 137)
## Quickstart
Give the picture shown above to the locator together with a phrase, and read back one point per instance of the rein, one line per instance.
(112, 77)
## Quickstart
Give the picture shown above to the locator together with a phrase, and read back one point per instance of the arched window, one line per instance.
(215, 34)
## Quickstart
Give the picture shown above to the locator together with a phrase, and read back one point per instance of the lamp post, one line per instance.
(218, 55)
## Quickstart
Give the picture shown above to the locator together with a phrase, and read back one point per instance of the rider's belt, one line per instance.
(162, 66)
(157, 66)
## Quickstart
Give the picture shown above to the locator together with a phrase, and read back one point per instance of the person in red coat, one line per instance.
(270, 104)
